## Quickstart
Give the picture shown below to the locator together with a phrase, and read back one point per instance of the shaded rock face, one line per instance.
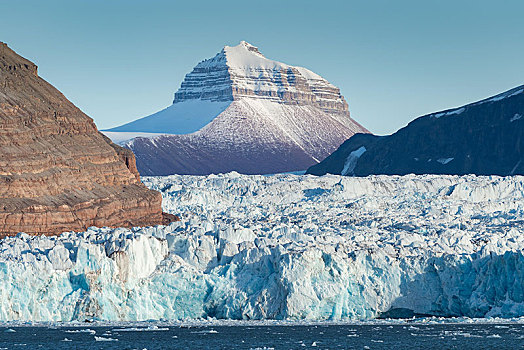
(57, 172)
(483, 138)
(240, 111)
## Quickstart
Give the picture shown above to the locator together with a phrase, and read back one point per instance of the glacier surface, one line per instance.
(285, 247)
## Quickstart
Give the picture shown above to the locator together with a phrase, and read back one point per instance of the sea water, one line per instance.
(245, 336)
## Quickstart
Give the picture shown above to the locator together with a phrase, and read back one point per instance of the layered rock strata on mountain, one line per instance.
(242, 71)
(241, 111)
(483, 138)
(57, 172)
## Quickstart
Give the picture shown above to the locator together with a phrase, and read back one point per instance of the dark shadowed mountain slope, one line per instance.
(483, 138)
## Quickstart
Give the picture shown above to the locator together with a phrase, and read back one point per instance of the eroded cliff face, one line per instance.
(57, 172)
(242, 71)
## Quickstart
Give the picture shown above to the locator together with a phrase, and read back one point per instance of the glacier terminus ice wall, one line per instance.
(285, 247)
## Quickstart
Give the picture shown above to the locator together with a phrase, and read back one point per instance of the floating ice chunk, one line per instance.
(142, 329)
(105, 339)
(211, 331)
(494, 336)
(90, 331)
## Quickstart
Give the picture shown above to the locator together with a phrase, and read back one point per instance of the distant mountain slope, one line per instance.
(483, 138)
(179, 118)
(241, 111)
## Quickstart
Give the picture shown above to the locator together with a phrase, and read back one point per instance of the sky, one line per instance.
(119, 60)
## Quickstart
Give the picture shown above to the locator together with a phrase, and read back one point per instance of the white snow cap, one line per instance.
(248, 56)
(238, 73)
(249, 47)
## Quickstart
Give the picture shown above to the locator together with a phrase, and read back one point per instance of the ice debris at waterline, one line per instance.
(285, 247)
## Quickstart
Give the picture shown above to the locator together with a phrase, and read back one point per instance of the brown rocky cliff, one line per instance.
(57, 172)
(126, 155)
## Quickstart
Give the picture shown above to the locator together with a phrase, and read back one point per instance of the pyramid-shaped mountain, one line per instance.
(57, 172)
(240, 111)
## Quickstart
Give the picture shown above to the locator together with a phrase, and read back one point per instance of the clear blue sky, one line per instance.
(393, 60)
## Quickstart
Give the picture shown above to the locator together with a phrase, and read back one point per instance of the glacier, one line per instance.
(285, 247)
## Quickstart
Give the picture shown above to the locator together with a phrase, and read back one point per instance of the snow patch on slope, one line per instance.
(179, 118)
(444, 161)
(351, 161)
(504, 95)
(455, 111)
(510, 93)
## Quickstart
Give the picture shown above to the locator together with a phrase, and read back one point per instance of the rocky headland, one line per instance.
(57, 172)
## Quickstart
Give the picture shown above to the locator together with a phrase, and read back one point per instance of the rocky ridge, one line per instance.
(482, 138)
(57, 172)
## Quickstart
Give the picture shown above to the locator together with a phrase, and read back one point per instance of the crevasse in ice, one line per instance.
(285, 247)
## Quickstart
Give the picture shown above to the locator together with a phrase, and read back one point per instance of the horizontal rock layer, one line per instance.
(57, 172)
(242, 71)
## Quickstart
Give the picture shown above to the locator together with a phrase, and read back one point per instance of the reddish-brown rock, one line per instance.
(57, 172)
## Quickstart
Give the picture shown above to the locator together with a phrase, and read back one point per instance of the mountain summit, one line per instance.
(241, 111)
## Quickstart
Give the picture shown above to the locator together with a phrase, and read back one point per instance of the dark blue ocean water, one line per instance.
(374, 336)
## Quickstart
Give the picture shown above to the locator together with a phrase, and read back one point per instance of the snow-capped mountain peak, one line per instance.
(247, 108)
(243, 71)
(248, 47)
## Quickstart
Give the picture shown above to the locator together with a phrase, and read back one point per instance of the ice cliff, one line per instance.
(285, 247)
